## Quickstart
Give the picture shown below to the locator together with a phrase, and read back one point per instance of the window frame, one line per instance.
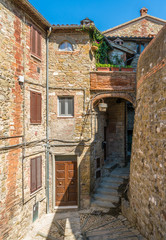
(37, 53)
(65, 50)
(35, 112)
(36, 170)
(139, 45)
(66, 114)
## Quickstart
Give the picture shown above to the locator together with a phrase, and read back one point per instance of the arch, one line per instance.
(125, 96)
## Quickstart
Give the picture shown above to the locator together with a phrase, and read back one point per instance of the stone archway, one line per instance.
(127, 96)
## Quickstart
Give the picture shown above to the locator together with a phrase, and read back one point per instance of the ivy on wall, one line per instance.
(97, 39)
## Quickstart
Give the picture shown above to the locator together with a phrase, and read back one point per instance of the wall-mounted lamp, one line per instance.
(102, 106)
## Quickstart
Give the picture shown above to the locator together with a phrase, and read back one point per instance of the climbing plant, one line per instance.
(97, 39)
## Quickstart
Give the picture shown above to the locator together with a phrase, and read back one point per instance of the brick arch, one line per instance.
(125, 96)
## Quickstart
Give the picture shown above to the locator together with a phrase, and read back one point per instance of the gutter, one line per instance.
(47, 119)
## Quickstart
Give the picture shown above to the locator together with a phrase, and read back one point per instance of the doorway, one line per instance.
(65, 181)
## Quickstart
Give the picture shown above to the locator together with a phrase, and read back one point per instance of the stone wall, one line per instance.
(69, 75)
(147, 178)
(16, 201)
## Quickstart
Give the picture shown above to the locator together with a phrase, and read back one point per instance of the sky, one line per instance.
(105, 14)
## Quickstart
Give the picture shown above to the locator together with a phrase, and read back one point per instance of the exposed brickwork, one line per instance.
(147, 179)
(113, 81)
(16, 205)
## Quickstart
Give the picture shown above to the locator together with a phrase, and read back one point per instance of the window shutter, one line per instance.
(33, 40)
(33, 185)
(38, 107)
(39, 172)
(38, 44)
(33, 107)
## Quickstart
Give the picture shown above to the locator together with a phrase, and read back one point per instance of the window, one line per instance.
(36, 174)
(140, 48)
(66, 106)
(35, 42)
(118, 41)
(65, 46)
(35, 107)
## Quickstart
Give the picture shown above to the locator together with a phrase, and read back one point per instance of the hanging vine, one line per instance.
(97, 39)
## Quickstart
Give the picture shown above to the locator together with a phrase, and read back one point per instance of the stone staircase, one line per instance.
(109, 191)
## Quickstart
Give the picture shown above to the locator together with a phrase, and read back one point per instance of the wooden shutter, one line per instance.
(38, 107)
(33, 40)
(39, 172)
(33, 107)
(38, 44)
(33, 185)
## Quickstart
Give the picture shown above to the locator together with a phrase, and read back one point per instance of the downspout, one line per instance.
(47, 121)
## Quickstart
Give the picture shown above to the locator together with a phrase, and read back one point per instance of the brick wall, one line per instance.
(113, 81)
(16, 202)
(147, 178)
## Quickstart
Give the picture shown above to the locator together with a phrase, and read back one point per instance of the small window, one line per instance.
(65, 46)
(35, 107)
(140, 48)
(35, 42)
(36, 174)
(66, 106)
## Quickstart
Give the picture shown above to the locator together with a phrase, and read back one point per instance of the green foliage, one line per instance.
(127, 66)
(102, 65)
(95, 44)
(112, 65)
(97, 39)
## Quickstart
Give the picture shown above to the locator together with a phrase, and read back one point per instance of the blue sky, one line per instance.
(105, 14)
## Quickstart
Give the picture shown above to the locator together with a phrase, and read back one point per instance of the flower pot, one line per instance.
(127, 69)
(103, 107)
(103, 69)
(114, 68)
(94, 48)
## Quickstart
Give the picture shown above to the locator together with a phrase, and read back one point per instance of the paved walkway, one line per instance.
(82, 225)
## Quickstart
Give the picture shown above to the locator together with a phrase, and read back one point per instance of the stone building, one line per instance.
(54, 140)
(147, 201)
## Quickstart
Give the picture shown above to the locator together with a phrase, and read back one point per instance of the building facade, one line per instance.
(54, 140)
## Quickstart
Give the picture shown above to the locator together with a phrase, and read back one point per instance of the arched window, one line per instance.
(65, 46)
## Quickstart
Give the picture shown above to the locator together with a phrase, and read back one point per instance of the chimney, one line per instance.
(143, 11)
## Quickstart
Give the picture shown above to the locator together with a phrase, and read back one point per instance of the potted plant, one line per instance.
(102, 67)
(95, 46)
(114, 67)
(127, 68)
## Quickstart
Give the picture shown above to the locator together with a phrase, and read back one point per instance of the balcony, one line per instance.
(113, 81)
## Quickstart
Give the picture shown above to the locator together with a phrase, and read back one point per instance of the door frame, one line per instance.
(54, 181)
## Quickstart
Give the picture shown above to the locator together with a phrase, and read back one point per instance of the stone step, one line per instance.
(112, 180)
(109, 185)
(120, 174)
(107, 191)
(97, 203)
(106, 198)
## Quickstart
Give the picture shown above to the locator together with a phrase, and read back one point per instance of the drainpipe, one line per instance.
(47, 120)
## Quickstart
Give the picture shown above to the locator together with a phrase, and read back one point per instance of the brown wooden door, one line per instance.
(66, 183)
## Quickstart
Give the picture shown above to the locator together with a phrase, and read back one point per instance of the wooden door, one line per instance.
(66, 183)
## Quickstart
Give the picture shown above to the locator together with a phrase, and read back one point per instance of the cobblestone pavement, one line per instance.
(99, 226)
(83, 225)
